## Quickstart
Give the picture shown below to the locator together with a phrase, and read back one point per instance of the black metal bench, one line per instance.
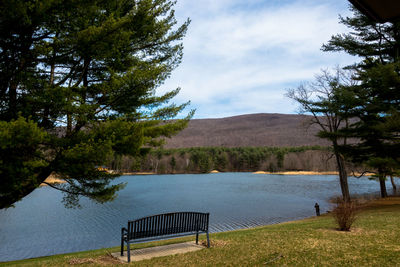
(164, 225)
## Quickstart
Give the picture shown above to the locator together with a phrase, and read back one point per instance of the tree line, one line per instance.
(224, 159)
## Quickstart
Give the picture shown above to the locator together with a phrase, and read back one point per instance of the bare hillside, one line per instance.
(254, 130)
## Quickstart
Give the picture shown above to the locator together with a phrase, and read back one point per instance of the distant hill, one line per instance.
(276, 130)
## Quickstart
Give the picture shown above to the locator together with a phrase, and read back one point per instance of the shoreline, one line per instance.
(298, 173)
(259, 172)
(312, 173)
(138, 173)
(53, 179)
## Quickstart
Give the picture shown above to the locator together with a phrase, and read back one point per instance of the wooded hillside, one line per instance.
(254, 130)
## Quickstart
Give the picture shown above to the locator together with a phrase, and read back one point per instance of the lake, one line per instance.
(40, 225)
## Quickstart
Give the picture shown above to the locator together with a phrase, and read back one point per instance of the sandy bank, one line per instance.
(138, 173)
(297, 173)
(52, 179)
(310, 173)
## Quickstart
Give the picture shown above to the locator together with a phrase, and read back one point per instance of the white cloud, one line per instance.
(239, 58)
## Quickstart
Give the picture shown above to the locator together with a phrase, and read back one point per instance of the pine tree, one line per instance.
(376, 104)
(77, 86)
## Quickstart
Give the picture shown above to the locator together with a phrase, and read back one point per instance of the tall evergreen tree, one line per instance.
(376, 104)
(77, 86)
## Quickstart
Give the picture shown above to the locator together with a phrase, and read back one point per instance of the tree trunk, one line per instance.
(393, 184)
(383, 186)
(69, 123)
(155, 169)
(12, 94)
(344, 186)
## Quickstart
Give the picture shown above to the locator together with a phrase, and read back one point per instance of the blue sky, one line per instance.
(240, 57)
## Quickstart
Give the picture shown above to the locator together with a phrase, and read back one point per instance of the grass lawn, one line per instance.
(373, 241)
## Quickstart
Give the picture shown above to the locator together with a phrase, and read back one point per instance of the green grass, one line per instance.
(373, 241)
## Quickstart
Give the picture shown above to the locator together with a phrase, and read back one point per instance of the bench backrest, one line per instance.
(168, 224)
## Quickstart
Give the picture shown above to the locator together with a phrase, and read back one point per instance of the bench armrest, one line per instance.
(124, 231)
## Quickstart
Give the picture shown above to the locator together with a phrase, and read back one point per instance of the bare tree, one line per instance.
(326, 100)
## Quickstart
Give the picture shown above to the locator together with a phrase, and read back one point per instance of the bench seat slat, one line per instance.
(167, 224)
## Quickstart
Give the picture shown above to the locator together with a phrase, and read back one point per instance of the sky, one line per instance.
(240, 57)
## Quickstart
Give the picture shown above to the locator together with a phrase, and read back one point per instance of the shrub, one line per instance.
(345, 213)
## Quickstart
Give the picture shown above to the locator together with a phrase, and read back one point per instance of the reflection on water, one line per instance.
(39, 225)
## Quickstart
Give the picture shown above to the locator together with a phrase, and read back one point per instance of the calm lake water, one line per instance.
(39, 225)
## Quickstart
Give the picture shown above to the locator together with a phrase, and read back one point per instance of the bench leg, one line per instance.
(128, 251)
(122, 247)
(197, 237)
(208, 240)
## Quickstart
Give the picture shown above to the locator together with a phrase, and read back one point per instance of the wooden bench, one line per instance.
(164, 225)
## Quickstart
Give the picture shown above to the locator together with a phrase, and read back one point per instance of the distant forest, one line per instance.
(246, 143)
(224, 159)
